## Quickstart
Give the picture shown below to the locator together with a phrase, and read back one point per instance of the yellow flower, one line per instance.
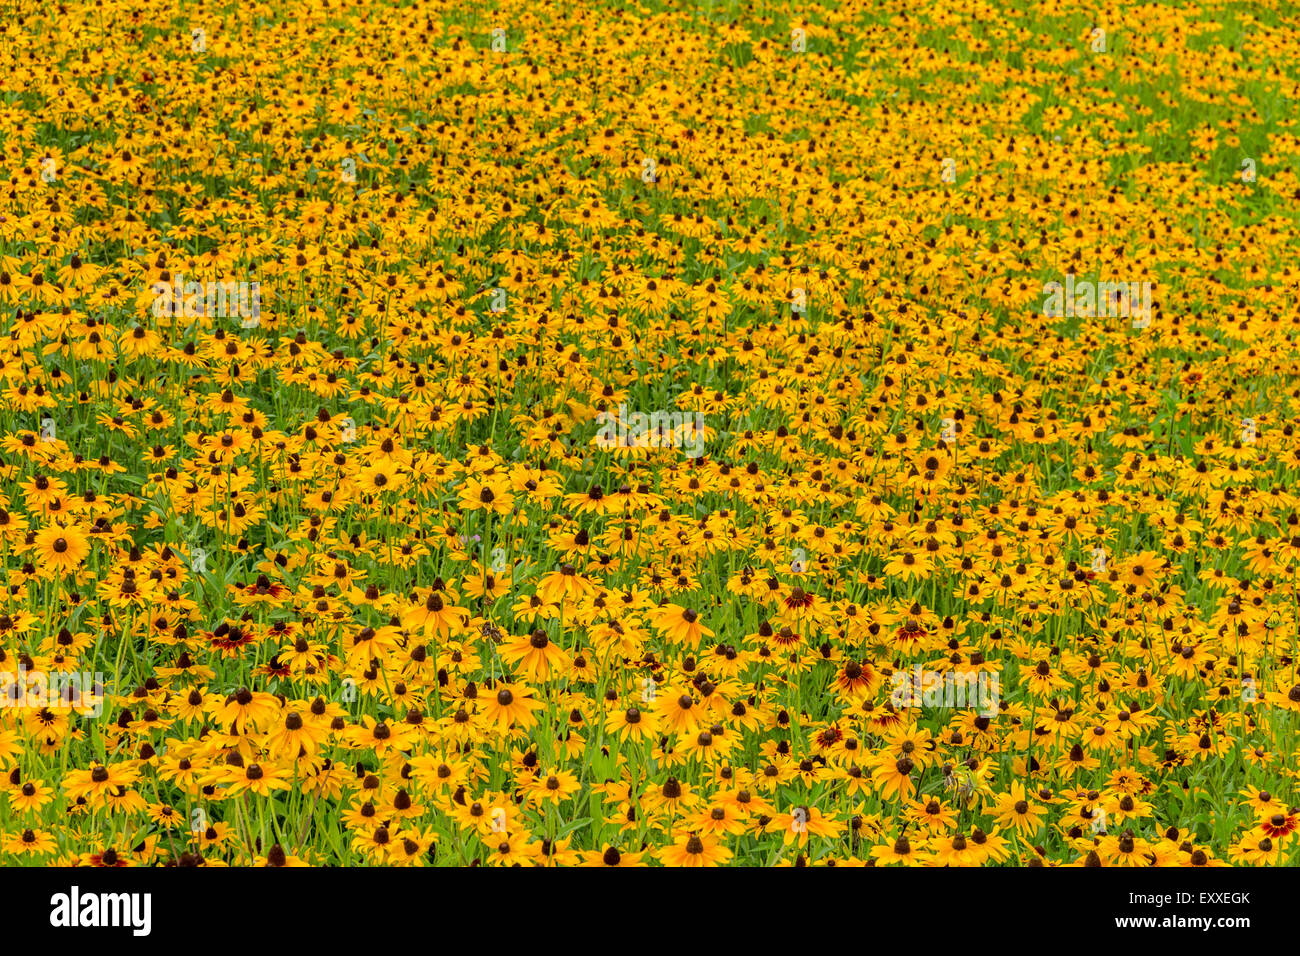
(61, 549)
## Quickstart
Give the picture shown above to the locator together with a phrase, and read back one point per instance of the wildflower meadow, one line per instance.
(612, 434)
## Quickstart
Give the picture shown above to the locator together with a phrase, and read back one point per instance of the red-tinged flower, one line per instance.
(230, 639)
(108, 858)
(1280, 825)
(799, 598)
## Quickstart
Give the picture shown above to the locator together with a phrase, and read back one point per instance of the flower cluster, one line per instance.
(570, 430)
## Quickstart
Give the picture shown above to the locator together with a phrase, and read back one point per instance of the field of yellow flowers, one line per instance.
(649, 433)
